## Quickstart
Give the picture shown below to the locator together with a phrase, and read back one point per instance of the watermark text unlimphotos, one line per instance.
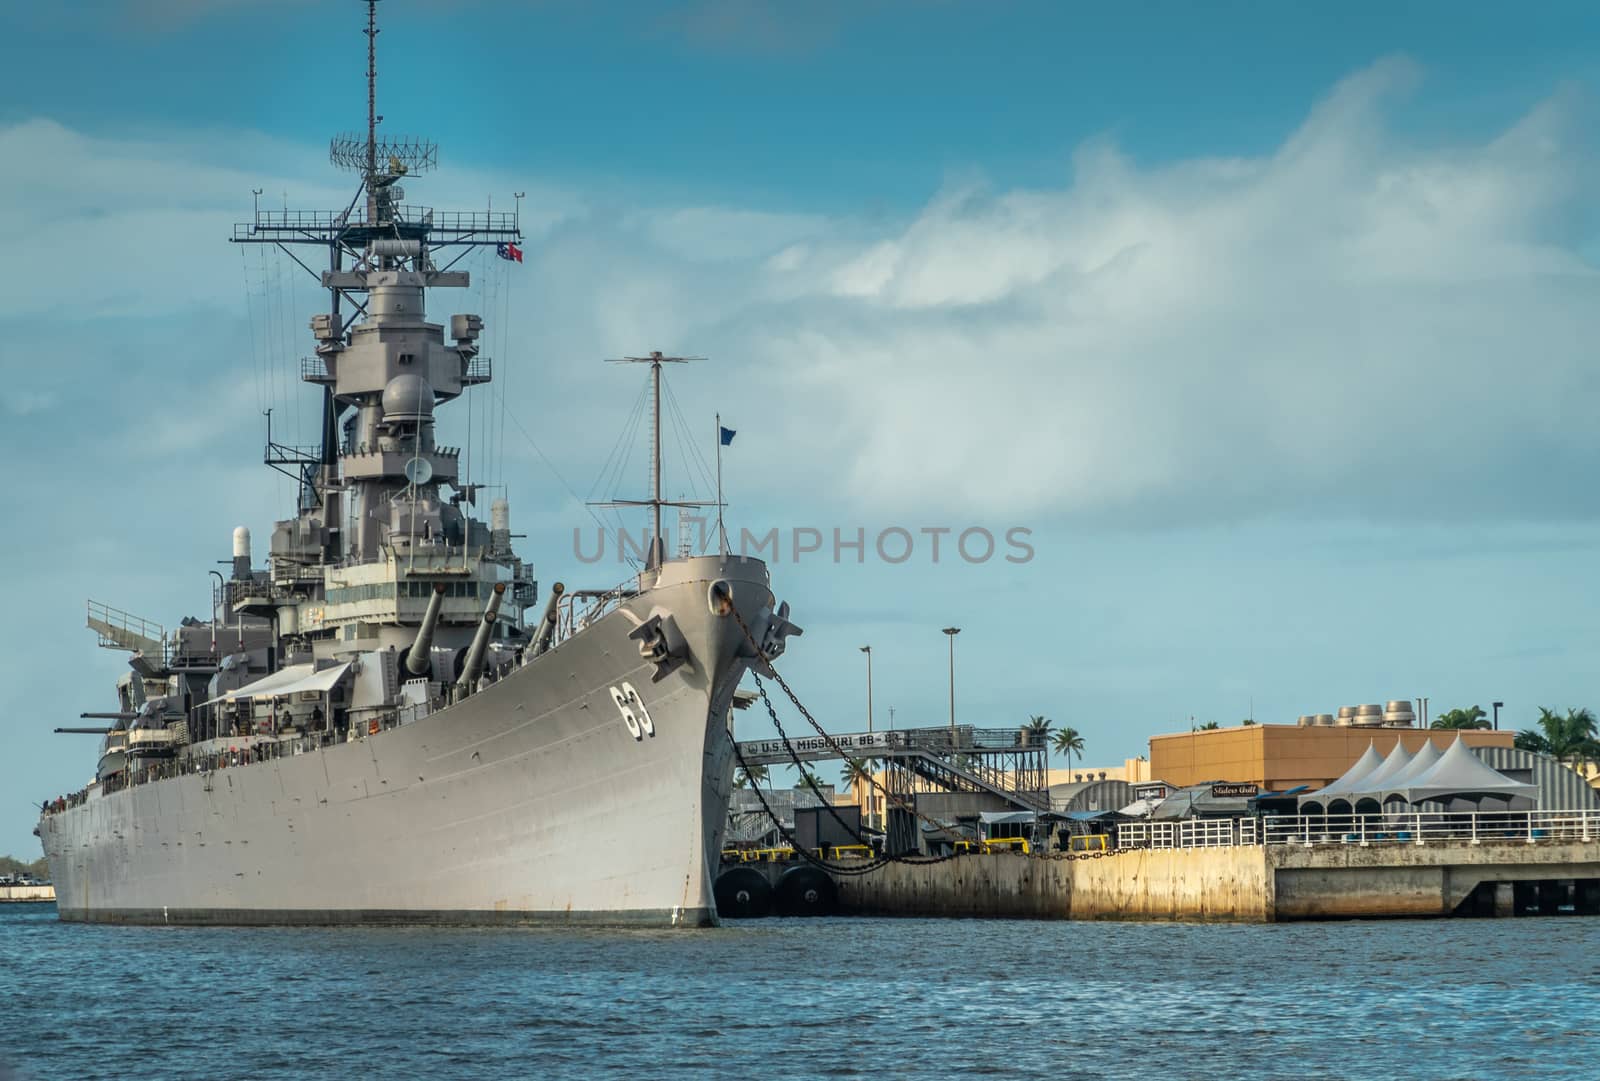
(800, 544)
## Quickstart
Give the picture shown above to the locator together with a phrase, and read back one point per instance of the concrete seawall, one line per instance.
(1239, 883)
(27, 893)
(1151, 884)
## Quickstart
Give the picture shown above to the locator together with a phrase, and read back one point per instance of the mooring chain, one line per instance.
(794, 843)
(889, 797)
(848, 869)
(805, 775)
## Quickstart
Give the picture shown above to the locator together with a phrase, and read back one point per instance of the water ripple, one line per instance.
(1435, 1001)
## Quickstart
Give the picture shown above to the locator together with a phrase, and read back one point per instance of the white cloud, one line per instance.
(1353, 324)
(1356, 324)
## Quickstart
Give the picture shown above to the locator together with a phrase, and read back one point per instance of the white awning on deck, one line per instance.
(287, 681)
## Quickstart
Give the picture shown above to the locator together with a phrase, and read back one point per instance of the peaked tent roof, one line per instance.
(1421, 763)
(1352, 777)
(1460, 773)
(1378, 780)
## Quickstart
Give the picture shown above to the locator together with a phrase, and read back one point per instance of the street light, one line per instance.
(1497, 706)
(951, 632)
(871, 798)
(868, 651)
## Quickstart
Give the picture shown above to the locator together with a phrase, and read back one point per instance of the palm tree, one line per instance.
(1530, 739)
(1209, 726)
(749, 777)
(1461, 719)
(1571, 739)
(1067, 741)
(806, 776)
(1038, 729)
(857, 771)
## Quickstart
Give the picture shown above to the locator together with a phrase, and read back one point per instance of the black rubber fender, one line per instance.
(806, 891)
(743, 893)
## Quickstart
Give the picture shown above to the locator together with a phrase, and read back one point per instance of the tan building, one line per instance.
(1281, 756)
(1132, 770)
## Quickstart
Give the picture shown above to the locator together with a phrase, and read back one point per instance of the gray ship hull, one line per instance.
(531, 801)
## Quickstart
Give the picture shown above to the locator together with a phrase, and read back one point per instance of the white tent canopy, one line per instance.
(287, 681)
(1348, 782)
(1460, 774)
(1378, 780)
(1139, 808)
(1421, 763)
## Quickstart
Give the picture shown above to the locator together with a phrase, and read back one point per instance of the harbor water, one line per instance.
(1443, 999)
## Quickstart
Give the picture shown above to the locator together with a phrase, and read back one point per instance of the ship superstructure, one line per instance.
(381, 723)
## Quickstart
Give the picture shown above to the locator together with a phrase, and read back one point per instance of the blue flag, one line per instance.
(727, 435)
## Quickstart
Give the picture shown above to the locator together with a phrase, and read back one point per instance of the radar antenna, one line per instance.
(399, 157)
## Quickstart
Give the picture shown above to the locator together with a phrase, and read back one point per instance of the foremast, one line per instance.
(375, 530)
(655, 555)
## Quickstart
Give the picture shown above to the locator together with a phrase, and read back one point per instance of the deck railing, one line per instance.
(580, 607)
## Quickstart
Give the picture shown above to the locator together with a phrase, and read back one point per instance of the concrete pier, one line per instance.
(1248, 883)
(27, 893)
(1348, 881)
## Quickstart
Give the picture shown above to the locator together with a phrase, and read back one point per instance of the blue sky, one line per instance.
(1273, 325)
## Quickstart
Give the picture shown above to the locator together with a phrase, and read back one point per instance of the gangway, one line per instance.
(1008, 763)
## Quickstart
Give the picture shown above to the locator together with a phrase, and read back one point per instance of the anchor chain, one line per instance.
(889, 797)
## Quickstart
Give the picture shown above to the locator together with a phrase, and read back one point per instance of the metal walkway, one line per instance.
(1008, 763)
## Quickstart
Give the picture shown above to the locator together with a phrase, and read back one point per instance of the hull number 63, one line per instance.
(634, 715)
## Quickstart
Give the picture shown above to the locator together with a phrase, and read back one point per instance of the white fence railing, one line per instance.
(1188, 833)
(1406, 827)
(1421, 827)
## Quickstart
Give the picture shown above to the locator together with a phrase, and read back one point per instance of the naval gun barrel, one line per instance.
(85, 731)
(480, 642)
(109, 716)
(547, 625)
(417, 662)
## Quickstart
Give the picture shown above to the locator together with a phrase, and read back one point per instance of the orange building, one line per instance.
(1281, 756)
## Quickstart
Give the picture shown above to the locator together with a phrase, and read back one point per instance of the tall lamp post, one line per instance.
(871, 798)
(1497, 706)
(868, 651)
(950, 633)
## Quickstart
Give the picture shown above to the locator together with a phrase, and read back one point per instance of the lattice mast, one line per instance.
(382, 361)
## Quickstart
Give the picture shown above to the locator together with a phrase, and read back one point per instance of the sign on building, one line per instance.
(1225, 791)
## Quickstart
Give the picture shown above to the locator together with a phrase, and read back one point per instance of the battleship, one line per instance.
(383, 723)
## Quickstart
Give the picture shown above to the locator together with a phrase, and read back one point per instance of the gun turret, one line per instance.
(547, 625)
(418, 662)
(480, 642)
